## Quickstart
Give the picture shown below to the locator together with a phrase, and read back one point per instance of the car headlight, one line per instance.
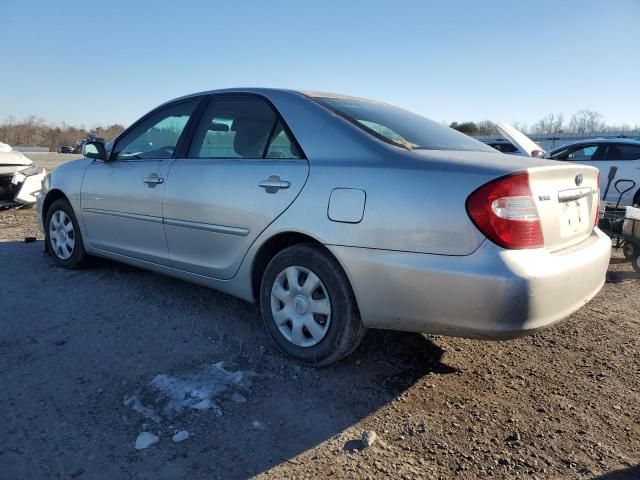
(31, 170)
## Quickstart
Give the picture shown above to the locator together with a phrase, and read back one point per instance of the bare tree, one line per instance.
(522, 126)
(487, 127)
(551, 123)
(586, 121)
(36, 132)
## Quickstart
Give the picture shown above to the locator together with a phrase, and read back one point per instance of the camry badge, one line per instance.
(579, 179)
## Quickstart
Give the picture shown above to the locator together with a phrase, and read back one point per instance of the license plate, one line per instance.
(574, 217)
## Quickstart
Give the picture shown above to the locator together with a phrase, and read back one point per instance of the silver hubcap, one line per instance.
(62, 235)
(300, 306)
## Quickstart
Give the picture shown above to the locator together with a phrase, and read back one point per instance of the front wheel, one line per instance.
(308, 306)
(63, 237)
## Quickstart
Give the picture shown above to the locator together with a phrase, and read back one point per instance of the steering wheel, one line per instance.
(166, 149)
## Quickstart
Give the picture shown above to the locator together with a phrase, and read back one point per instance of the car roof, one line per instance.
(267, 92)
(631, 141)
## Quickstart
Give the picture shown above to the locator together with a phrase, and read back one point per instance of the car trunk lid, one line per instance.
(566, 198)
(524, 144)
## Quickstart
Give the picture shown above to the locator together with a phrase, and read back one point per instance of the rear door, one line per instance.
(625, 156)
(121, 199)
(242, 170)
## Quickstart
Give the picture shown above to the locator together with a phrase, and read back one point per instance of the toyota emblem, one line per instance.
(579, 179)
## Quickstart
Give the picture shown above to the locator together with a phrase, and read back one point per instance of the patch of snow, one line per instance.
(238, 398)
(134, 402)
(171, 395)
(257, 425)
(146, 439)
(181, 436)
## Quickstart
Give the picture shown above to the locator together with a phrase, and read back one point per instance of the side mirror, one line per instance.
(94, 150)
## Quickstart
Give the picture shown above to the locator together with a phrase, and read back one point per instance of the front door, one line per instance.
(121, 199)
(242, 170)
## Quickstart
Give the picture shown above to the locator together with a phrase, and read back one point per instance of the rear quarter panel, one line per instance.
(406, 209)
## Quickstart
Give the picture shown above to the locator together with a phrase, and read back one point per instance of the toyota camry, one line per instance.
(336, 214)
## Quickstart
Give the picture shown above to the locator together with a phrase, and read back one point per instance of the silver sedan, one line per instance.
(336, 214)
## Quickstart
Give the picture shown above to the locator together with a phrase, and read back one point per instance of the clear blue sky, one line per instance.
(451, 60)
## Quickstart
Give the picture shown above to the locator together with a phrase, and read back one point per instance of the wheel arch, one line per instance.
(270, 248)
(52, 195)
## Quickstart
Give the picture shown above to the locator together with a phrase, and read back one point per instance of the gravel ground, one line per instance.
(75, 346)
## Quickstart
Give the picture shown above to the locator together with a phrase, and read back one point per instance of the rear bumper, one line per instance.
(492, 293)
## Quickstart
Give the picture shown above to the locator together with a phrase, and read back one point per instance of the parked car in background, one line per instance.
(504, 146)
(65, 149)
(518, 140)
(336, 214)
(20, 179)
(604, 153)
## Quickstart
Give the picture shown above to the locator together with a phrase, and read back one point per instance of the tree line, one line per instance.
(583, 121)
(35, 131)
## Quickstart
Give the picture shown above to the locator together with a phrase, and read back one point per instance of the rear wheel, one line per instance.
(628, 249)
(635, 261)
(308, 306)
(63, 237)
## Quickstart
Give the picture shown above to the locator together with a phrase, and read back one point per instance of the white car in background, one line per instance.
(20, 179)
(602, 153)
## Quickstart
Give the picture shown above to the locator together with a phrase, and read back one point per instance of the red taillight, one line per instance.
(505, 212)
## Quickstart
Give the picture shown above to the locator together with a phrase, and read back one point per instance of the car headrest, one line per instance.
(251, 136)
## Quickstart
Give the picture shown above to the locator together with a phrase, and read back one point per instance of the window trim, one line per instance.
(194, 116)
(188, 140)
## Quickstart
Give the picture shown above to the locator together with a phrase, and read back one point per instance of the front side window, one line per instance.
(241, 127)
(580, 153)
(157, 136)
(400, 127)
(622, 152)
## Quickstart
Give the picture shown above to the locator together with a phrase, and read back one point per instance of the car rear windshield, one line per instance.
(400, 127)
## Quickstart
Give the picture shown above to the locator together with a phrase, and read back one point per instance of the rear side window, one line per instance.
(622, 151)
(241, 127)
(401, 127)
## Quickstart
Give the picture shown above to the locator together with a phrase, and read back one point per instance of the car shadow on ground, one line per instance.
(90, 338)
(617, 277)
(631, 473)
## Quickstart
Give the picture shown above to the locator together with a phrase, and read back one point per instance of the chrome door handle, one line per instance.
(153, 180)
(273, 184)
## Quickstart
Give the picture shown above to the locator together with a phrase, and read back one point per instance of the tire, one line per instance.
(63, 238)
(628, 250)
(635, 261)
(317, 322)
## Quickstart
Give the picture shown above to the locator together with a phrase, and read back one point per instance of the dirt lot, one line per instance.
(84, 355)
